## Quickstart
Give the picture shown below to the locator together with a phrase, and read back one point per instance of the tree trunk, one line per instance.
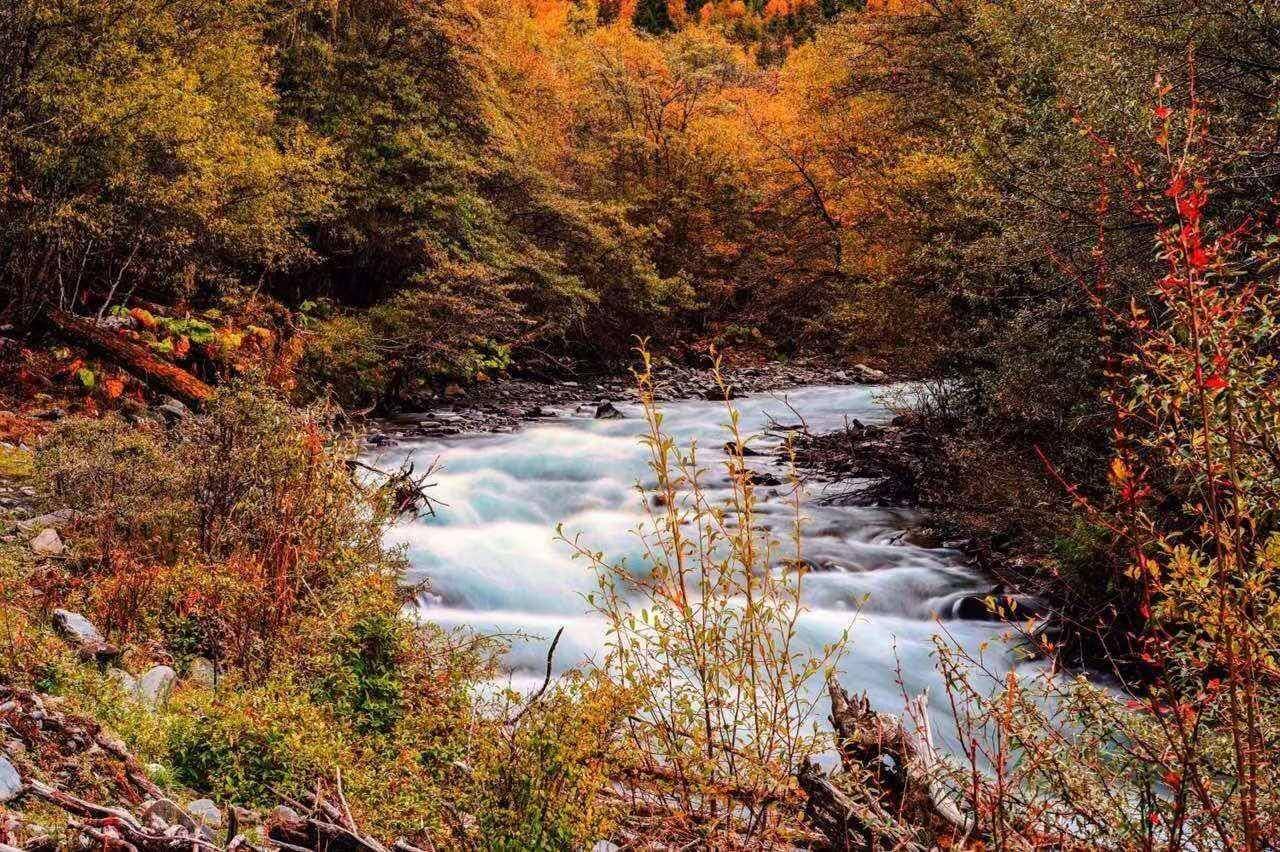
(136, 359)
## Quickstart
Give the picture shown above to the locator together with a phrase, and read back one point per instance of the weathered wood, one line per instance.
(132, 357)
(898, 772)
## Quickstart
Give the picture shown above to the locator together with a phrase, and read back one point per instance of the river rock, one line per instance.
(606, 410)
(10, 781)
(48, 543)
(868, 375)
(1006, 607)
(155, 685)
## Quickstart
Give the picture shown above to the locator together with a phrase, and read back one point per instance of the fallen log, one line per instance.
(895, 790)
(133, 358)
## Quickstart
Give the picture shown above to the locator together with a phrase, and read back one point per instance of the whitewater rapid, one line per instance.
(492, 563)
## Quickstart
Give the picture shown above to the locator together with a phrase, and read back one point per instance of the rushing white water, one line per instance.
(493, 564)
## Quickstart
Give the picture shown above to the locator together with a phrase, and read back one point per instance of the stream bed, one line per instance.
(493, 564)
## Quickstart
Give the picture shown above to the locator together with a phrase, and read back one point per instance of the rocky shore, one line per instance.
(504, 405)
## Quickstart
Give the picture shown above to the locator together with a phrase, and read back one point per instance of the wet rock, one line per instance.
(48, 543)
(155, 685)
(998, 607)
(764, 478)
(10, 781)
(731, 448)
(606, 410)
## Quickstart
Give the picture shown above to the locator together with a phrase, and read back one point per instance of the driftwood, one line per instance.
(75, 749)
(896, 794)
(136, 359)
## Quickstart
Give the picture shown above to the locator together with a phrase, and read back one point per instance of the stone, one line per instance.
(168, 812)
(205, 812)
(283, 815)
(10, 781)
(868, 375)
(80, 633)
(173, 410)
(127, 682)
(54, 520)
(201, 670)
(155, 685)
(606, 410)
(1007, 607)
(48, 543)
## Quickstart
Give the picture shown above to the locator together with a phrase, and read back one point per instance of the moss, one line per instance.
(15, 463)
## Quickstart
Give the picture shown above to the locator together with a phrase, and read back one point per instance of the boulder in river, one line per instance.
(606, 410)
(997, 607)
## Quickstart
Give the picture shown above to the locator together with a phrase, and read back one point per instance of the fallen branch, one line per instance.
(137, 360)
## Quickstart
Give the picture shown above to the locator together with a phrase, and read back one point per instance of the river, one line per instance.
(493, 564)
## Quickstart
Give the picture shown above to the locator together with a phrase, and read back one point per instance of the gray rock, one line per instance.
(56, 520)
(77, 628)
(173, 409)
(155, 685)
(10, 781)
(205, 812)
(283, 815)
(201, 671)
(606, 846)
(48, 543)
(127, 682)
(167, 812)
(83, 636)
(606, 410)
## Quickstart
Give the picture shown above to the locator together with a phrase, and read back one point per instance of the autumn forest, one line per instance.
(939, 338)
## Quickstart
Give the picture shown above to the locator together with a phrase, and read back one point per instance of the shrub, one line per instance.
(237, 518)
(706, 642)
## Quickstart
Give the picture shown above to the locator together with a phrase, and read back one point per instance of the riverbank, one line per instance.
(504, 404)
